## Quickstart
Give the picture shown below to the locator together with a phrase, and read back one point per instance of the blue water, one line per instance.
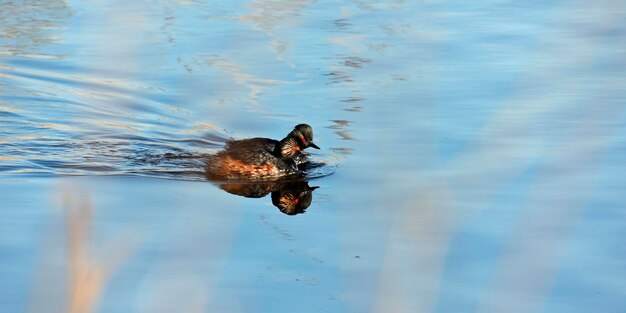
(472, 156)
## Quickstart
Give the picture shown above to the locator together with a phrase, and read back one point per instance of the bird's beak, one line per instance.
(311, 144)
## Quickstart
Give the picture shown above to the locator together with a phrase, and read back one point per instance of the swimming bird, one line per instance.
(262, 159)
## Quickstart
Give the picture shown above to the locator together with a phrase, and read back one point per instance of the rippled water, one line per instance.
(471, 156)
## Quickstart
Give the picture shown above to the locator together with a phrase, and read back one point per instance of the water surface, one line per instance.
(475, 153)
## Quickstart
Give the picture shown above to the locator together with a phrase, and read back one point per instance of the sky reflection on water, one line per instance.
(476, 148)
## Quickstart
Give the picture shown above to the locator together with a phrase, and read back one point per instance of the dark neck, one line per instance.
(288, 147)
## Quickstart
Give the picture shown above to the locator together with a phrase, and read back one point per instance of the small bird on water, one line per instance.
(262, 159)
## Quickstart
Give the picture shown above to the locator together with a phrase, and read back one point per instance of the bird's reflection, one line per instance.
(290, 197)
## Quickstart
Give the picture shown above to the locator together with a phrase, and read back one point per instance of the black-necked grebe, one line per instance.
(257, 159)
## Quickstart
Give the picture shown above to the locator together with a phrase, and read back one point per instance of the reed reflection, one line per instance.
(290, 197)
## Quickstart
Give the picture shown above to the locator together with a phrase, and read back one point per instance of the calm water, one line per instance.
(473, 156)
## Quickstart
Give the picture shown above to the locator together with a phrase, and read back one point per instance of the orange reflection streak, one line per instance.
(88, 273)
